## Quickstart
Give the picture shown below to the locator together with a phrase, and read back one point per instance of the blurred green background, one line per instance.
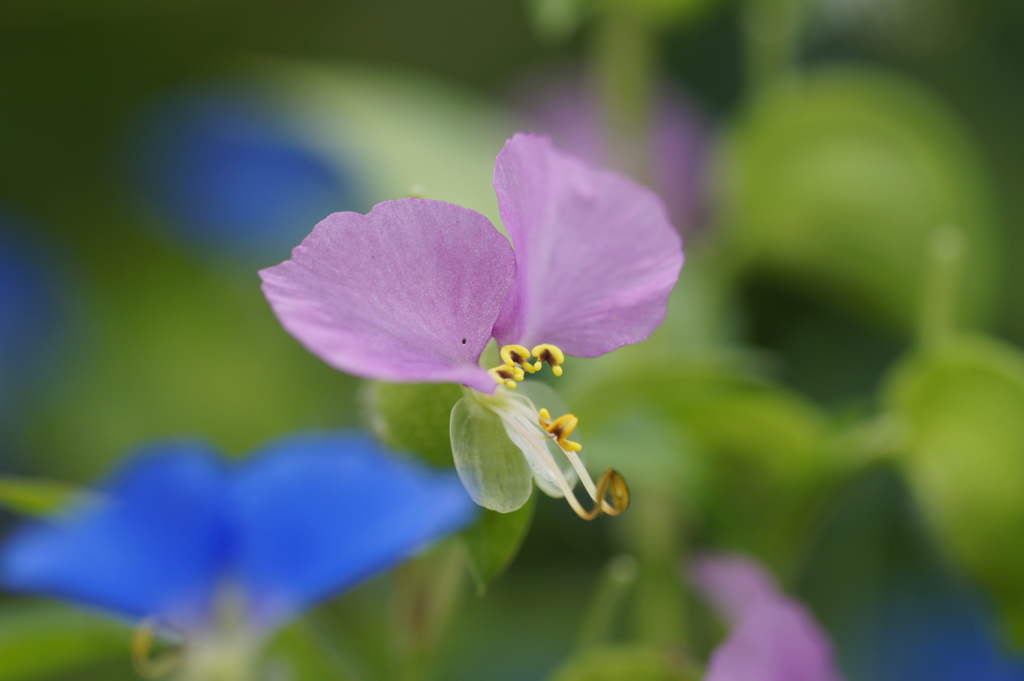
(838, 390)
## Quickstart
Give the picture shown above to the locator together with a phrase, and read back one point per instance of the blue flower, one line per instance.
(178, 537)
(229, 173)
(925, 625)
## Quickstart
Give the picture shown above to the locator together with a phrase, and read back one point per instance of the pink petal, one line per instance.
(775, 642)
(596, 255)
(733, 585)
(566, 105)
(406, 293)
(773, 637)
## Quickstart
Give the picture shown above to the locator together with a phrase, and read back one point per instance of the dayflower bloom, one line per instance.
(772, 638)
(223, 556)
(415, 290)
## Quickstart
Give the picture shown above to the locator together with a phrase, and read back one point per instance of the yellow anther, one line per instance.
(506, 375)
(560, 428)
(552, 354)
(516, 356)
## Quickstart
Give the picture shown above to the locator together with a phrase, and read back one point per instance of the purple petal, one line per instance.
(406, 293)
(776, 642)
(566, 106)
(773, 637)
(734, 586)
(596, 255)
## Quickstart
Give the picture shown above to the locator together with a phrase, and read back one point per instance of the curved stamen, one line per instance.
(612, 482)
(506, 375)
(560, 428)
(513, 355)
(552, 354)
(146, 664)
(524, 420)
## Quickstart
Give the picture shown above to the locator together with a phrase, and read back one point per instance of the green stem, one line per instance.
(616, 583)
(427, 592)
(624, 62)
(316, 633)
(652, 530)
(945, 251)
(772, 31)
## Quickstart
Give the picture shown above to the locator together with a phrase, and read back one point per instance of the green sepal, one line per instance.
(418, 418)
(493, 542)
(492, 468)
(36, 496)
(415, 418)
(961, 408)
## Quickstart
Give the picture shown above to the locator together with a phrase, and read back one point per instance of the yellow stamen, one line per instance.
(143, 641)
(552, 354)
(610, 495)
(613, 483)
(560, 428)
(610, 483)
(516, 355)
(506, 375)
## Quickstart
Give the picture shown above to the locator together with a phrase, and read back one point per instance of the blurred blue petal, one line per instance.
(310, 516)
(316, 514)
(931, 629)
(230, 175)
(30, 314)
(150, 543)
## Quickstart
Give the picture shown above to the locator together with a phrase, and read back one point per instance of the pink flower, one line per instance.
(772, 638)
(415, 290)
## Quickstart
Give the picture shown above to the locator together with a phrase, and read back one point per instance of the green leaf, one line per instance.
(494, 541)
(962, 407)
(34, 496)
(40, 641)
(622, 662)
(837, 181)
(415, 417)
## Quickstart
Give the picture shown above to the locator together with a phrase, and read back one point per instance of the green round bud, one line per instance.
(415, 417)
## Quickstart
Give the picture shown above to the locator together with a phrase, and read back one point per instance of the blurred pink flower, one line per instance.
(567, 108)
(773, 637)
